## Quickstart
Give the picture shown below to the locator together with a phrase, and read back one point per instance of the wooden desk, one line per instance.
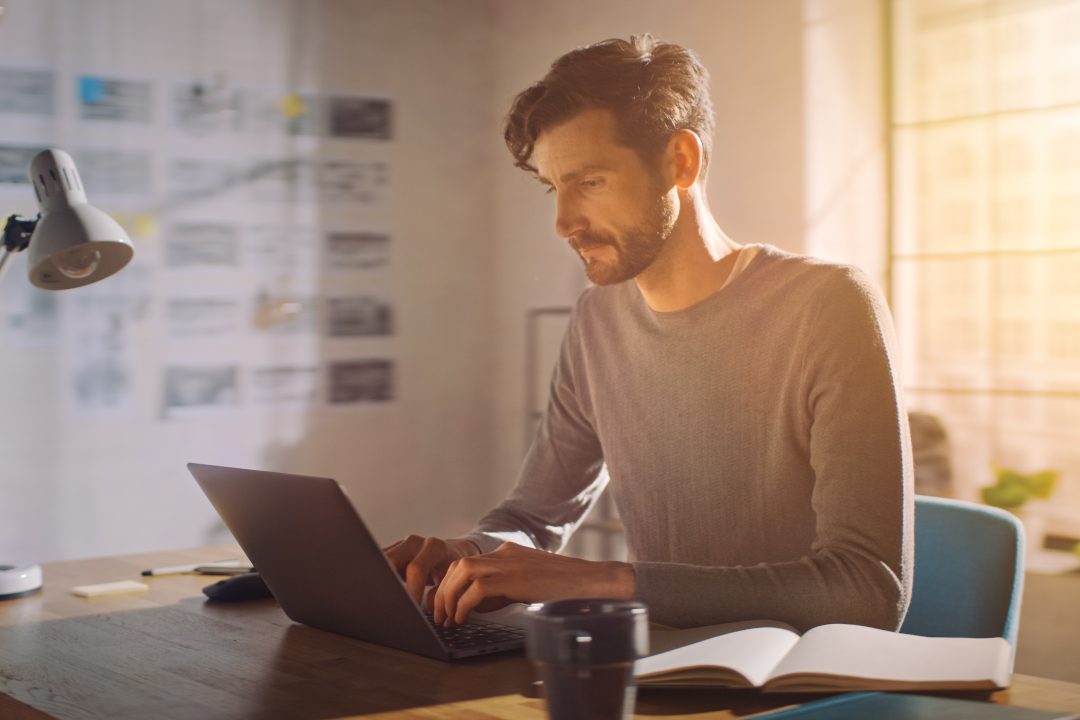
(169, 654)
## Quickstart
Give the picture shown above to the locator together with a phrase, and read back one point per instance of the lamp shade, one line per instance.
(74, 243)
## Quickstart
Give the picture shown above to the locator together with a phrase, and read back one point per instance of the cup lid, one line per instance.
(616, 630)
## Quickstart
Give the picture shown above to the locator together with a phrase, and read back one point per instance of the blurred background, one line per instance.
(339, 272)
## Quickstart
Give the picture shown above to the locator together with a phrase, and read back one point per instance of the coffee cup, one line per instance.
(583, 652)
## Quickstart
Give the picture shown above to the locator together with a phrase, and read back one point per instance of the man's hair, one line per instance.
(652, 88)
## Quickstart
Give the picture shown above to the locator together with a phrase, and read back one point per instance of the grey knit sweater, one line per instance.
(755, 444)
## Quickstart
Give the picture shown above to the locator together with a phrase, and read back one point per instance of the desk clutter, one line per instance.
(249, 586)
(111, 589)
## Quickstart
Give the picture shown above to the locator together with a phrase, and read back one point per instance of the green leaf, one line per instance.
(1008, 495)
(1043, 483)
(1005, 476)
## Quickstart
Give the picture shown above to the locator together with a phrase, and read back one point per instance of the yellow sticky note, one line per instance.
(145, 225)
(123, 587)
(292, 106)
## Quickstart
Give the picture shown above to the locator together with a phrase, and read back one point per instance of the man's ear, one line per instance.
(684, 155)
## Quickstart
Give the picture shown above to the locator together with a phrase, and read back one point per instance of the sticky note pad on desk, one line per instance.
(123, 587)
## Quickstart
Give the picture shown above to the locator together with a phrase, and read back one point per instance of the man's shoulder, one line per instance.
(805, 274)
(808, 266)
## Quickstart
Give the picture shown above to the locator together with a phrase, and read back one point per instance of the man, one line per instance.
(740, 403)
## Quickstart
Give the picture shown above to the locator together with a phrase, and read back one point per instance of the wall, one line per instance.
(845, 133)
(77, 484)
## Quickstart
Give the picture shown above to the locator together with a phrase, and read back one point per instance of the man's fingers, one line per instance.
(473, 573)
(432, 556)
(438, 601)
(452, 585)
(402, 552)
(416, 576)
(436, 581)
(473, 595)
(395, 556)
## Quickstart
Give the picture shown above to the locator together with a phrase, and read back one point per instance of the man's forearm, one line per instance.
(833, 587)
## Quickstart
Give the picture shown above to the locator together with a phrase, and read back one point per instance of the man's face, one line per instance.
(612, 210)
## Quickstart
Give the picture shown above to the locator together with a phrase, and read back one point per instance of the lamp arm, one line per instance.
(17, 232)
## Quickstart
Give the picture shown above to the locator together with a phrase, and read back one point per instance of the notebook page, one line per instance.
(862, 652)
(752, 653)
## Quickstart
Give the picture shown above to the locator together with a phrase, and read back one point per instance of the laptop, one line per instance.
(324, 567)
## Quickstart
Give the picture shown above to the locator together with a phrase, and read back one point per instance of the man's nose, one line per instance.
(569, 220)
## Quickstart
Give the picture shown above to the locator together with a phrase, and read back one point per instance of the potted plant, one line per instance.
(1013, 490)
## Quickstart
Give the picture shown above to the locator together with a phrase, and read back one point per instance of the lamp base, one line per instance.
(17, 581)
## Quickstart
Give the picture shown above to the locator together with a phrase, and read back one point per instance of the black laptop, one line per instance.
(318, 559)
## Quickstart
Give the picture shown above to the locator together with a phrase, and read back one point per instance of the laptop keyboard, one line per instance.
(476, 634)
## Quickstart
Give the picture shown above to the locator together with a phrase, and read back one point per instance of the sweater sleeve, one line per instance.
(562, 475)
(859, 568)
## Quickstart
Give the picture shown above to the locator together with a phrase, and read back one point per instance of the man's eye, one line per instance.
(592, 183)
(550, 189)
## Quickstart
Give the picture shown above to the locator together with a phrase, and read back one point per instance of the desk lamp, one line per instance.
(72, 244)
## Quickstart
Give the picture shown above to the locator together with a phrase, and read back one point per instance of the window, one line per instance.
(985, 248)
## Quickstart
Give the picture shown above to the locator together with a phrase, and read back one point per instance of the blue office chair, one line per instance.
(969, 571)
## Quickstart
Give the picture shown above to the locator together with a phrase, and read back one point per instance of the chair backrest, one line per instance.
(969, 571)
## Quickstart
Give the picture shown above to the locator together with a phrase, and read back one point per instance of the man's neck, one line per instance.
(694, 264)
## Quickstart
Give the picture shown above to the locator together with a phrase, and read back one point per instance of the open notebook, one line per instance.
(773, 657)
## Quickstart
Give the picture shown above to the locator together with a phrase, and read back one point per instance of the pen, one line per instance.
(224, 570)
(179, 569)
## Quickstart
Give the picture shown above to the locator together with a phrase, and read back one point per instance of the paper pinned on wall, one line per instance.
(284, 384)
(285, 113)
(361, 117)
(349, 250)
(114, 99)
(298, 180)
(364, 183)
(202, 317)
(99, 325)
(114, 171)
(15, 163)
(31, 316)
(27, 91)
(193, 244)
(199, 388)
(102, 371)
(280, 312)
(291, 249)
(206, 107)
(191, 179)
(361, 381)
(358, 316)
(281, 180)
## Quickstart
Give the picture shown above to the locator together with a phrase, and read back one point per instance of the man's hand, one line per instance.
(519, 574)
(424, 560)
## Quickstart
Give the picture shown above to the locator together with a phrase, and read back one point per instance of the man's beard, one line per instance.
(635, 251)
